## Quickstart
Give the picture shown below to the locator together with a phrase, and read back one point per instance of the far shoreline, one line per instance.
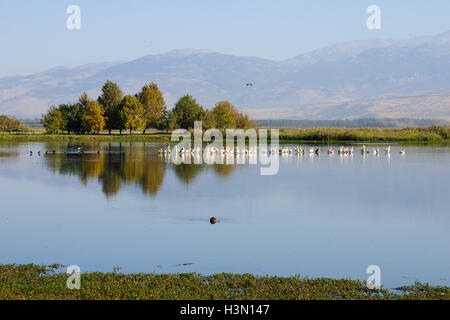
(321, 135)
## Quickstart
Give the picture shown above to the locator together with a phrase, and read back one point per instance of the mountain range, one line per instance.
(365, 78)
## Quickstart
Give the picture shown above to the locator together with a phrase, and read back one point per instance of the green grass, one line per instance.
(85, 137)
(426, 134)
(49, 282)
(423, 134)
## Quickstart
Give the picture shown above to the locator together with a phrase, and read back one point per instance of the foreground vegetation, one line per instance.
(49, 282)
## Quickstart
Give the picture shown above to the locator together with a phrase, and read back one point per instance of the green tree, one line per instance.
(187, 110)
(225, 115)
(154, 105)
(53, 120)
(73, 116)
(84, 99)
(172, 120)
(131, 113)
(110, 100)
(93, 120)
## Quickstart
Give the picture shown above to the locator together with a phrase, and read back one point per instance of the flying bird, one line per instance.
(249, 84)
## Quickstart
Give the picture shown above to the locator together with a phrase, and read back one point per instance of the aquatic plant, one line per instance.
(49, 282)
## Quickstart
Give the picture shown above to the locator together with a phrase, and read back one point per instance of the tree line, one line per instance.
(145, 110)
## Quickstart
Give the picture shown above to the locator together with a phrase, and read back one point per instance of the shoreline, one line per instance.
(32, 281)
(320, 135)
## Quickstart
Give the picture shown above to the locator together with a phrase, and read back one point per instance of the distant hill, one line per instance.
(369, 78)
(430, 105)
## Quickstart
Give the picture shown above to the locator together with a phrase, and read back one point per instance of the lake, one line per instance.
(328, 216)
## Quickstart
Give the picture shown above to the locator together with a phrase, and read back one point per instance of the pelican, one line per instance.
(330, 151)
(388, 149)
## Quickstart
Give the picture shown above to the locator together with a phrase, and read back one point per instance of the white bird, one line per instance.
(388, 149)
(403, 152)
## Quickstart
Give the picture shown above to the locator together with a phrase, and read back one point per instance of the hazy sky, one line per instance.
(34, 36)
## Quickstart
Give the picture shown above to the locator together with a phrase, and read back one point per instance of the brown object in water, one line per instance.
(213, 220)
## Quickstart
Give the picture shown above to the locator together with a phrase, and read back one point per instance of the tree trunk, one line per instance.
(109, 131)
(143, 132)
(130, 131)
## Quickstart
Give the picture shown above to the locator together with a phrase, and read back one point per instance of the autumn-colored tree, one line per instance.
(93, 120)
(243, 122)
(10, 124)
(208, 121)
(131, 113)
(225, 115)
(53, 120)
(154, 105)
(110, 100)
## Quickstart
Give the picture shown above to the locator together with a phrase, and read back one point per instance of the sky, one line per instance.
(34, 36)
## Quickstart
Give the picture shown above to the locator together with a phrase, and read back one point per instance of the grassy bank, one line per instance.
(48, 282)
(156, 137)
(428, 134)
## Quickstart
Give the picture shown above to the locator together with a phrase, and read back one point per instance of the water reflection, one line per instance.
(114, 167)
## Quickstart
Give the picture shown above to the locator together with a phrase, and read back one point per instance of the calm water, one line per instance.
(326, 216)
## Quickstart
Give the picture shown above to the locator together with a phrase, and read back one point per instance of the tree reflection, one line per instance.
(187, 172)
(119, 165)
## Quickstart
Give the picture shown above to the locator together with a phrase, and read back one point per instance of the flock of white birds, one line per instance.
(298, 150)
